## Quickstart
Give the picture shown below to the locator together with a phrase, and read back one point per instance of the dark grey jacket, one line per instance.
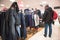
(48, 15)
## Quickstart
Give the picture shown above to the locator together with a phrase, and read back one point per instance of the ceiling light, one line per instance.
(12, 0)
(2, 5)
(21, 5)
(27, 6)
(44, 2)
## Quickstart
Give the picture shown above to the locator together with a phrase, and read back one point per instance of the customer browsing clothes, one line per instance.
(47, 19)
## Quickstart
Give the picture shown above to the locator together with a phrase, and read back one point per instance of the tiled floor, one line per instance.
(29, 35)
(55, 34)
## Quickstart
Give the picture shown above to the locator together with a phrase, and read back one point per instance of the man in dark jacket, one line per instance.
(47, 19)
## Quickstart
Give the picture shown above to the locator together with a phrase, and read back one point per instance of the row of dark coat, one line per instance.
(29, 17)
(8, 25)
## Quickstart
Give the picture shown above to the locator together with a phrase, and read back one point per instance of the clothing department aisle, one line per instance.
(55, 34)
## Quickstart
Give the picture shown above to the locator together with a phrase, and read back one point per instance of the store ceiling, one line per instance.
(31, 3)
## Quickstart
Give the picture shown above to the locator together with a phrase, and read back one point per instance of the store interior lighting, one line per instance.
(2, 5)
(27, 6)
(43, 3)
(12, 0)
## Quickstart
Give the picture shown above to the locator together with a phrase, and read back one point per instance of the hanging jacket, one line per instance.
(36, 19)
(0, 23)
(9, 20)
(23, 26)
(39, 13)
(4, 25)
(3, 31)
(12, 25)
(28, 17)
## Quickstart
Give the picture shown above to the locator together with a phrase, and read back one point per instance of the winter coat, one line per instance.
(48, 15)
(28, 18)
(3, 25)
(36, 19)
(23, 26)
(39, 13)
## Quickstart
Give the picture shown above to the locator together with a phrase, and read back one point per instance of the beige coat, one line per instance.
(36, 19)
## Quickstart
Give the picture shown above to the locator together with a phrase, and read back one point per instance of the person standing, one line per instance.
(47, 19)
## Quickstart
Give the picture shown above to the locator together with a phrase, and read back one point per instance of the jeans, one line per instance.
(50, 29)
(19, 31)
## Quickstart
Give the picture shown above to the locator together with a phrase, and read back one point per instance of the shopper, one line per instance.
(47, 19)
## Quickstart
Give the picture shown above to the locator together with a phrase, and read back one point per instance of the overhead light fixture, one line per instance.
(2, 5)
(12, 0)
(27, 6)
(21, 5)
(41, 4)
(44, 2)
